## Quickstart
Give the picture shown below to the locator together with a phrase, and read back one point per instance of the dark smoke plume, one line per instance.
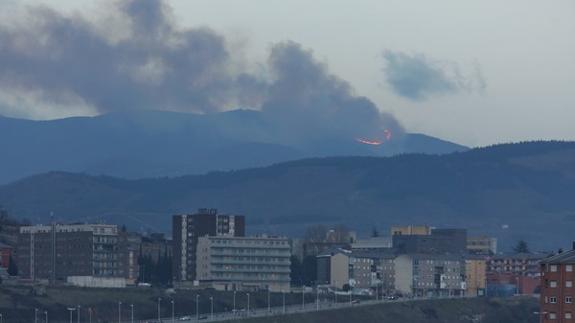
(149, 62)
(417, 77)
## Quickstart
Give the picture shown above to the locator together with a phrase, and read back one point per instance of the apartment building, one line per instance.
(557, 289)
(430, 275)
(244, 263)
(188, 228)
(56, 252)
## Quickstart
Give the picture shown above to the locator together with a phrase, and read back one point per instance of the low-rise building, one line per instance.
(524, 264)
(244, 263)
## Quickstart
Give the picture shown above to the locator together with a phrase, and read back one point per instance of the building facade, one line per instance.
(440, 241)
(55, 252)
(188, 228)
(430, 275)
(557, 289)
(475, 276)
(333, 268)
(244, 263)
(5, 255)
(410, 230)
(482, 245)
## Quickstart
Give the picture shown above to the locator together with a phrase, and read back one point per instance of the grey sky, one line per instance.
(524, 50)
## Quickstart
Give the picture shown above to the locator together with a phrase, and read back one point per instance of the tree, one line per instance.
(521, 247)
(315, 233)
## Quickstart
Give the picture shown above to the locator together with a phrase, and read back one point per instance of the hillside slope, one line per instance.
(513, 191)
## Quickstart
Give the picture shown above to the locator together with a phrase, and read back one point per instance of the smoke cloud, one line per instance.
(138, 57)
(417, 77)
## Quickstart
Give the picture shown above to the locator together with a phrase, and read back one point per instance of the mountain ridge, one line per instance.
(510, 191)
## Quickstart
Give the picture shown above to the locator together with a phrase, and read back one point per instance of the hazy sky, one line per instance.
(475, 72)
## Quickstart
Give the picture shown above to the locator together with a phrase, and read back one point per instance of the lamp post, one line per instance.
(78, 316)
(269, 301)
(302, 297)
(316, 298)
(71, 310)
(159, 309)
(89, 314)
(119, 312)
(35, 315)
(132, 313)
(211, 308)
(173, 312)
(335, 293)
(284, 301)
(234, 310)
(46, 316)
(248, 304)
(197, 307)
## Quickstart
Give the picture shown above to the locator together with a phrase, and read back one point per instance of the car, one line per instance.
(356, 301)
(185, 318)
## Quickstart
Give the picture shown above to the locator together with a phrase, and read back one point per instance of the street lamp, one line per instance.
(132, 313)
(35, 315)
(316, 298)
(90, 314)
(248, 304)
(302, 297)
(159, 309)
(71, 310)
(269, 303)
(234, 302)
(211, 308)
(284, 301)
(197, 307)
(119, 312)
(79, 309)
(173, 316)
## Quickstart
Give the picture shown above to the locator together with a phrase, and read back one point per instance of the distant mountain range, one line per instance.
(512, 191)
(152, 143)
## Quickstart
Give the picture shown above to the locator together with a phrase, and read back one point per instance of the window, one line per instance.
(569, 268)
(552, 316)
(553, 284)
(568, 283)
(553, 268)
(568, 315)
(553, 300)
(568, 299)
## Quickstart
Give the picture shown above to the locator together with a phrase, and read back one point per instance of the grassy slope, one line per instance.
(17, 305)
(518, 310)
